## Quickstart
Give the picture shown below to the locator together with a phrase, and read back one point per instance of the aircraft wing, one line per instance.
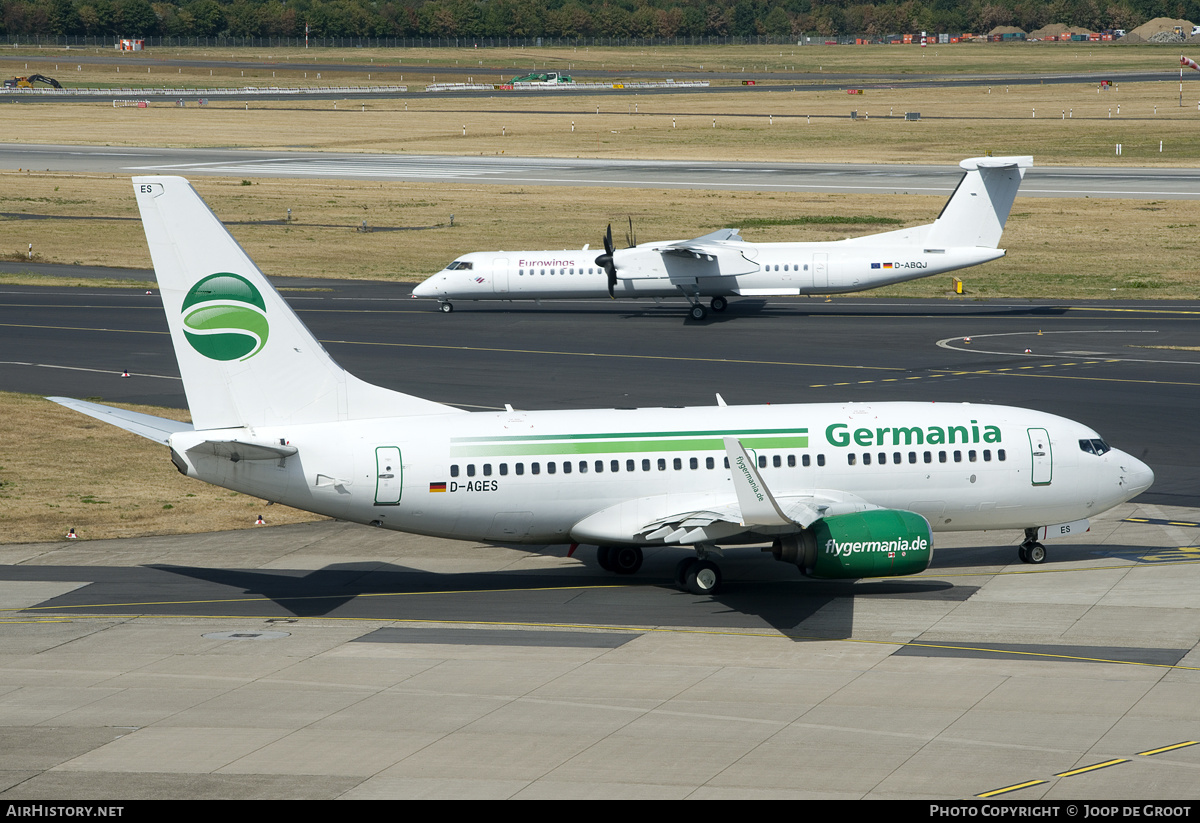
(718, 254)
(158, 429)
(688, 520)
(727, 520)
(705, 244)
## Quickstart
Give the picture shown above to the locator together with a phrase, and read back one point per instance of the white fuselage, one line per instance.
(751, 269)
(535, 476)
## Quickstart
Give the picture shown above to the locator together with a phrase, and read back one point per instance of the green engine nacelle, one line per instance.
(879, 543)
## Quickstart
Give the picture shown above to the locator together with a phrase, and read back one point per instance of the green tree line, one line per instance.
(565, 18)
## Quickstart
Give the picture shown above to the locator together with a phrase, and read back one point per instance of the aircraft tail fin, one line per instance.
(245, 357)
(977, 211)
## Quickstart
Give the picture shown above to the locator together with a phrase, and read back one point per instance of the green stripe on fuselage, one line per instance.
(627, 435)
(695, 444)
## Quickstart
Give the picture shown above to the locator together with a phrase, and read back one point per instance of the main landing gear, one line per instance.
(698, 575)
(698, 312)
(1031, 551)
(619, 559)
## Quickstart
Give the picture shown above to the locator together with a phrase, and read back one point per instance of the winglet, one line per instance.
(754, 498)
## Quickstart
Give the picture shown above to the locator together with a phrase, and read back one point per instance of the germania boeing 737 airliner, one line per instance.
(842, 490)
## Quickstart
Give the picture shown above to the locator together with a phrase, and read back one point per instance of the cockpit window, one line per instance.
(1094, 446)
(460, 265)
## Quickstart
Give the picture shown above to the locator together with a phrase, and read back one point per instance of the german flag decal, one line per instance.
(437, 487)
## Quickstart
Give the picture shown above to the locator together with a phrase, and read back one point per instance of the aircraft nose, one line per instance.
(426, 287)
(1135, 476)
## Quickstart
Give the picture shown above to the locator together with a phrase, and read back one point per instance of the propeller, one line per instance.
(605, 261)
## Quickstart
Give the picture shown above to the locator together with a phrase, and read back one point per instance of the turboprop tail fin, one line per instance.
(977, 211)
(245, 357)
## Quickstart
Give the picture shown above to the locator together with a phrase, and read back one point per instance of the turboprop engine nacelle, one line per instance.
(879, 543)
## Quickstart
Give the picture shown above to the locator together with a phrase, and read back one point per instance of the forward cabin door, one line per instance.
(500, 276)
(1043, 458)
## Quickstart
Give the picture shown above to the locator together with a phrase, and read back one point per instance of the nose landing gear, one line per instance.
(1031, 551)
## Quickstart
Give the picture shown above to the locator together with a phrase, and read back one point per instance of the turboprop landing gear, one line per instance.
(445, 307)
(719, 304)
(692, 293)
(1031, 551)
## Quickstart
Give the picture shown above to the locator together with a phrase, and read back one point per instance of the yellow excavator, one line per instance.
(27, 82)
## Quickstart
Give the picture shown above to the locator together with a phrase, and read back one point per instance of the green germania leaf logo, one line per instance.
(228, 321)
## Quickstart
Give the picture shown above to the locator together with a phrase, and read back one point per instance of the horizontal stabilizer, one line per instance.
(158, 429)
(1021, 162)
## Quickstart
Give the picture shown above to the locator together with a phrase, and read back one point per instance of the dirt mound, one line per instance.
(1056, 30)
(1162, 30)
(1006, 30)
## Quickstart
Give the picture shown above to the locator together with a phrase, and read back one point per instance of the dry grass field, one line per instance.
(61, 470)
(1062, 248)
(365, 66)
(1059, 124)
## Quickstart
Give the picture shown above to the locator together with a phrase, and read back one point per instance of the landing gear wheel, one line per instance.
(719, 304)
(703, 578)
(625, 559)
(681, 570)
(446, 308)
(1032, 552)
(604, 558)
(698, 312)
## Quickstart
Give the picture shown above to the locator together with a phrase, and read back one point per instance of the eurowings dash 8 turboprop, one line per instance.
(842, 490)
(721, 265)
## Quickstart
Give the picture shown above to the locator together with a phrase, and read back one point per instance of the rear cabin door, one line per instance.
(389, 476)
(820, 271)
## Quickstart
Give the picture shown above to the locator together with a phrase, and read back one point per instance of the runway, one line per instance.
(1040, 181)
